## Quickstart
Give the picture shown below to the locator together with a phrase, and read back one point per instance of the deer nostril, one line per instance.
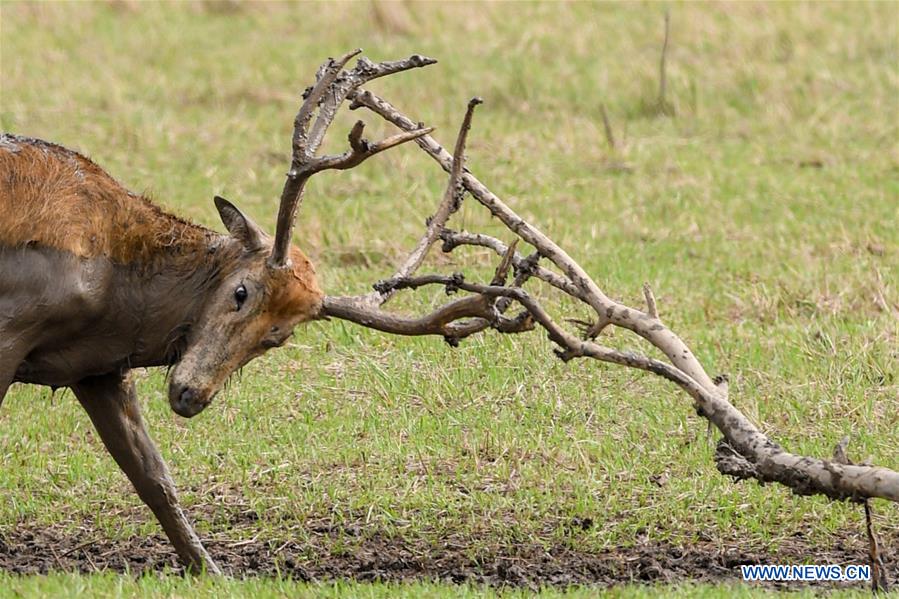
(188, 396)
(187, 401)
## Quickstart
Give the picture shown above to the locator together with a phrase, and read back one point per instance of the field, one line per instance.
(762, 204)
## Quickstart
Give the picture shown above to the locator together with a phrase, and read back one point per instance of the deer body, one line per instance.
(95, 281)
(70, 316)
(87, 283)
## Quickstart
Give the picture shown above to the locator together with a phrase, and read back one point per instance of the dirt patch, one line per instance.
(327, 555)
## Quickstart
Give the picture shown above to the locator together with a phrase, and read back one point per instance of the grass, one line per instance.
(105, 585)
(764, 213)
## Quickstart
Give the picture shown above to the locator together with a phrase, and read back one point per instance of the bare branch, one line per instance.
(663, 71)
(745, 452)
(839, 451)
(357, 144)
(367, 70)
(329, 73)
(754, 455)
(453, 239)
(502, 270)
(606, 309)
(452, 199)
(435, 323)
(880, 581)
(462, 139)
(361, 149)
(455, 320)
(364, 71)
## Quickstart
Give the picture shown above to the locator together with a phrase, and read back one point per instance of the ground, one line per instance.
(760, 202)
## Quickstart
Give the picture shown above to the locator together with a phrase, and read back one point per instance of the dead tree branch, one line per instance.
(607, 310)
(744, 451)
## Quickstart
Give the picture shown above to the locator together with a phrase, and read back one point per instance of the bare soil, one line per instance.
(369, 556)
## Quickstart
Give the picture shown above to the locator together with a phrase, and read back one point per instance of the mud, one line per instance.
(355, 553)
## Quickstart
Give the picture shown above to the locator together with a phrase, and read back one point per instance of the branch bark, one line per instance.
(744, 452)
(607, 310)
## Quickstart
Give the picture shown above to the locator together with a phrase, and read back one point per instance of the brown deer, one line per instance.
(96, 281)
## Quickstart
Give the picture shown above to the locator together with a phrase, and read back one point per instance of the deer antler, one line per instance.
(744, 452)
(331, 88)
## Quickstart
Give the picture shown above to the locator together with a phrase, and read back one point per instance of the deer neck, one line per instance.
(171, 291)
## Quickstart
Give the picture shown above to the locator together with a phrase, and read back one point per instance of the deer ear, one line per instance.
(239, 225)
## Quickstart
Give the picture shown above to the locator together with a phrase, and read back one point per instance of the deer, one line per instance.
(96, 281)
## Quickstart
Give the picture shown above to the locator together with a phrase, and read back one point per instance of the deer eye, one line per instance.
(240, 296)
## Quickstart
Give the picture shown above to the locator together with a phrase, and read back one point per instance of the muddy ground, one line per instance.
(327, 555)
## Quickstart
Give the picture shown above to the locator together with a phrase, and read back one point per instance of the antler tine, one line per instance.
(302, 155)
(329, 72)
(327, 94)
(361, 149)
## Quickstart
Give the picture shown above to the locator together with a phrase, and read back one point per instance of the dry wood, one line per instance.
(744, 451)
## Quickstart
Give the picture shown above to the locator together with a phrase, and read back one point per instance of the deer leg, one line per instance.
(111, 403)
(7, 372)
(10, 359)
(5, 382)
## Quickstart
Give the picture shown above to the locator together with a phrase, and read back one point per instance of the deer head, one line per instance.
(254, 308)
(269, 287)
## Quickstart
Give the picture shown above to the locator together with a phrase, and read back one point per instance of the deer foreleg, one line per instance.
(111, 402)
(6, 375)
(5, 382)
(10, 358)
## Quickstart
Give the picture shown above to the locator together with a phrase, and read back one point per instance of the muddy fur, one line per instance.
(96, 279)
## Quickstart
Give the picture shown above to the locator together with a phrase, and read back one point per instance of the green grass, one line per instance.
(105, 585)
(764, 213)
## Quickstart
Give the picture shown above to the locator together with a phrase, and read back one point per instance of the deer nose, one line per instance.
(186, 401)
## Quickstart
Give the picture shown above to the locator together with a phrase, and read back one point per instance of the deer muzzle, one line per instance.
(187, 401)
